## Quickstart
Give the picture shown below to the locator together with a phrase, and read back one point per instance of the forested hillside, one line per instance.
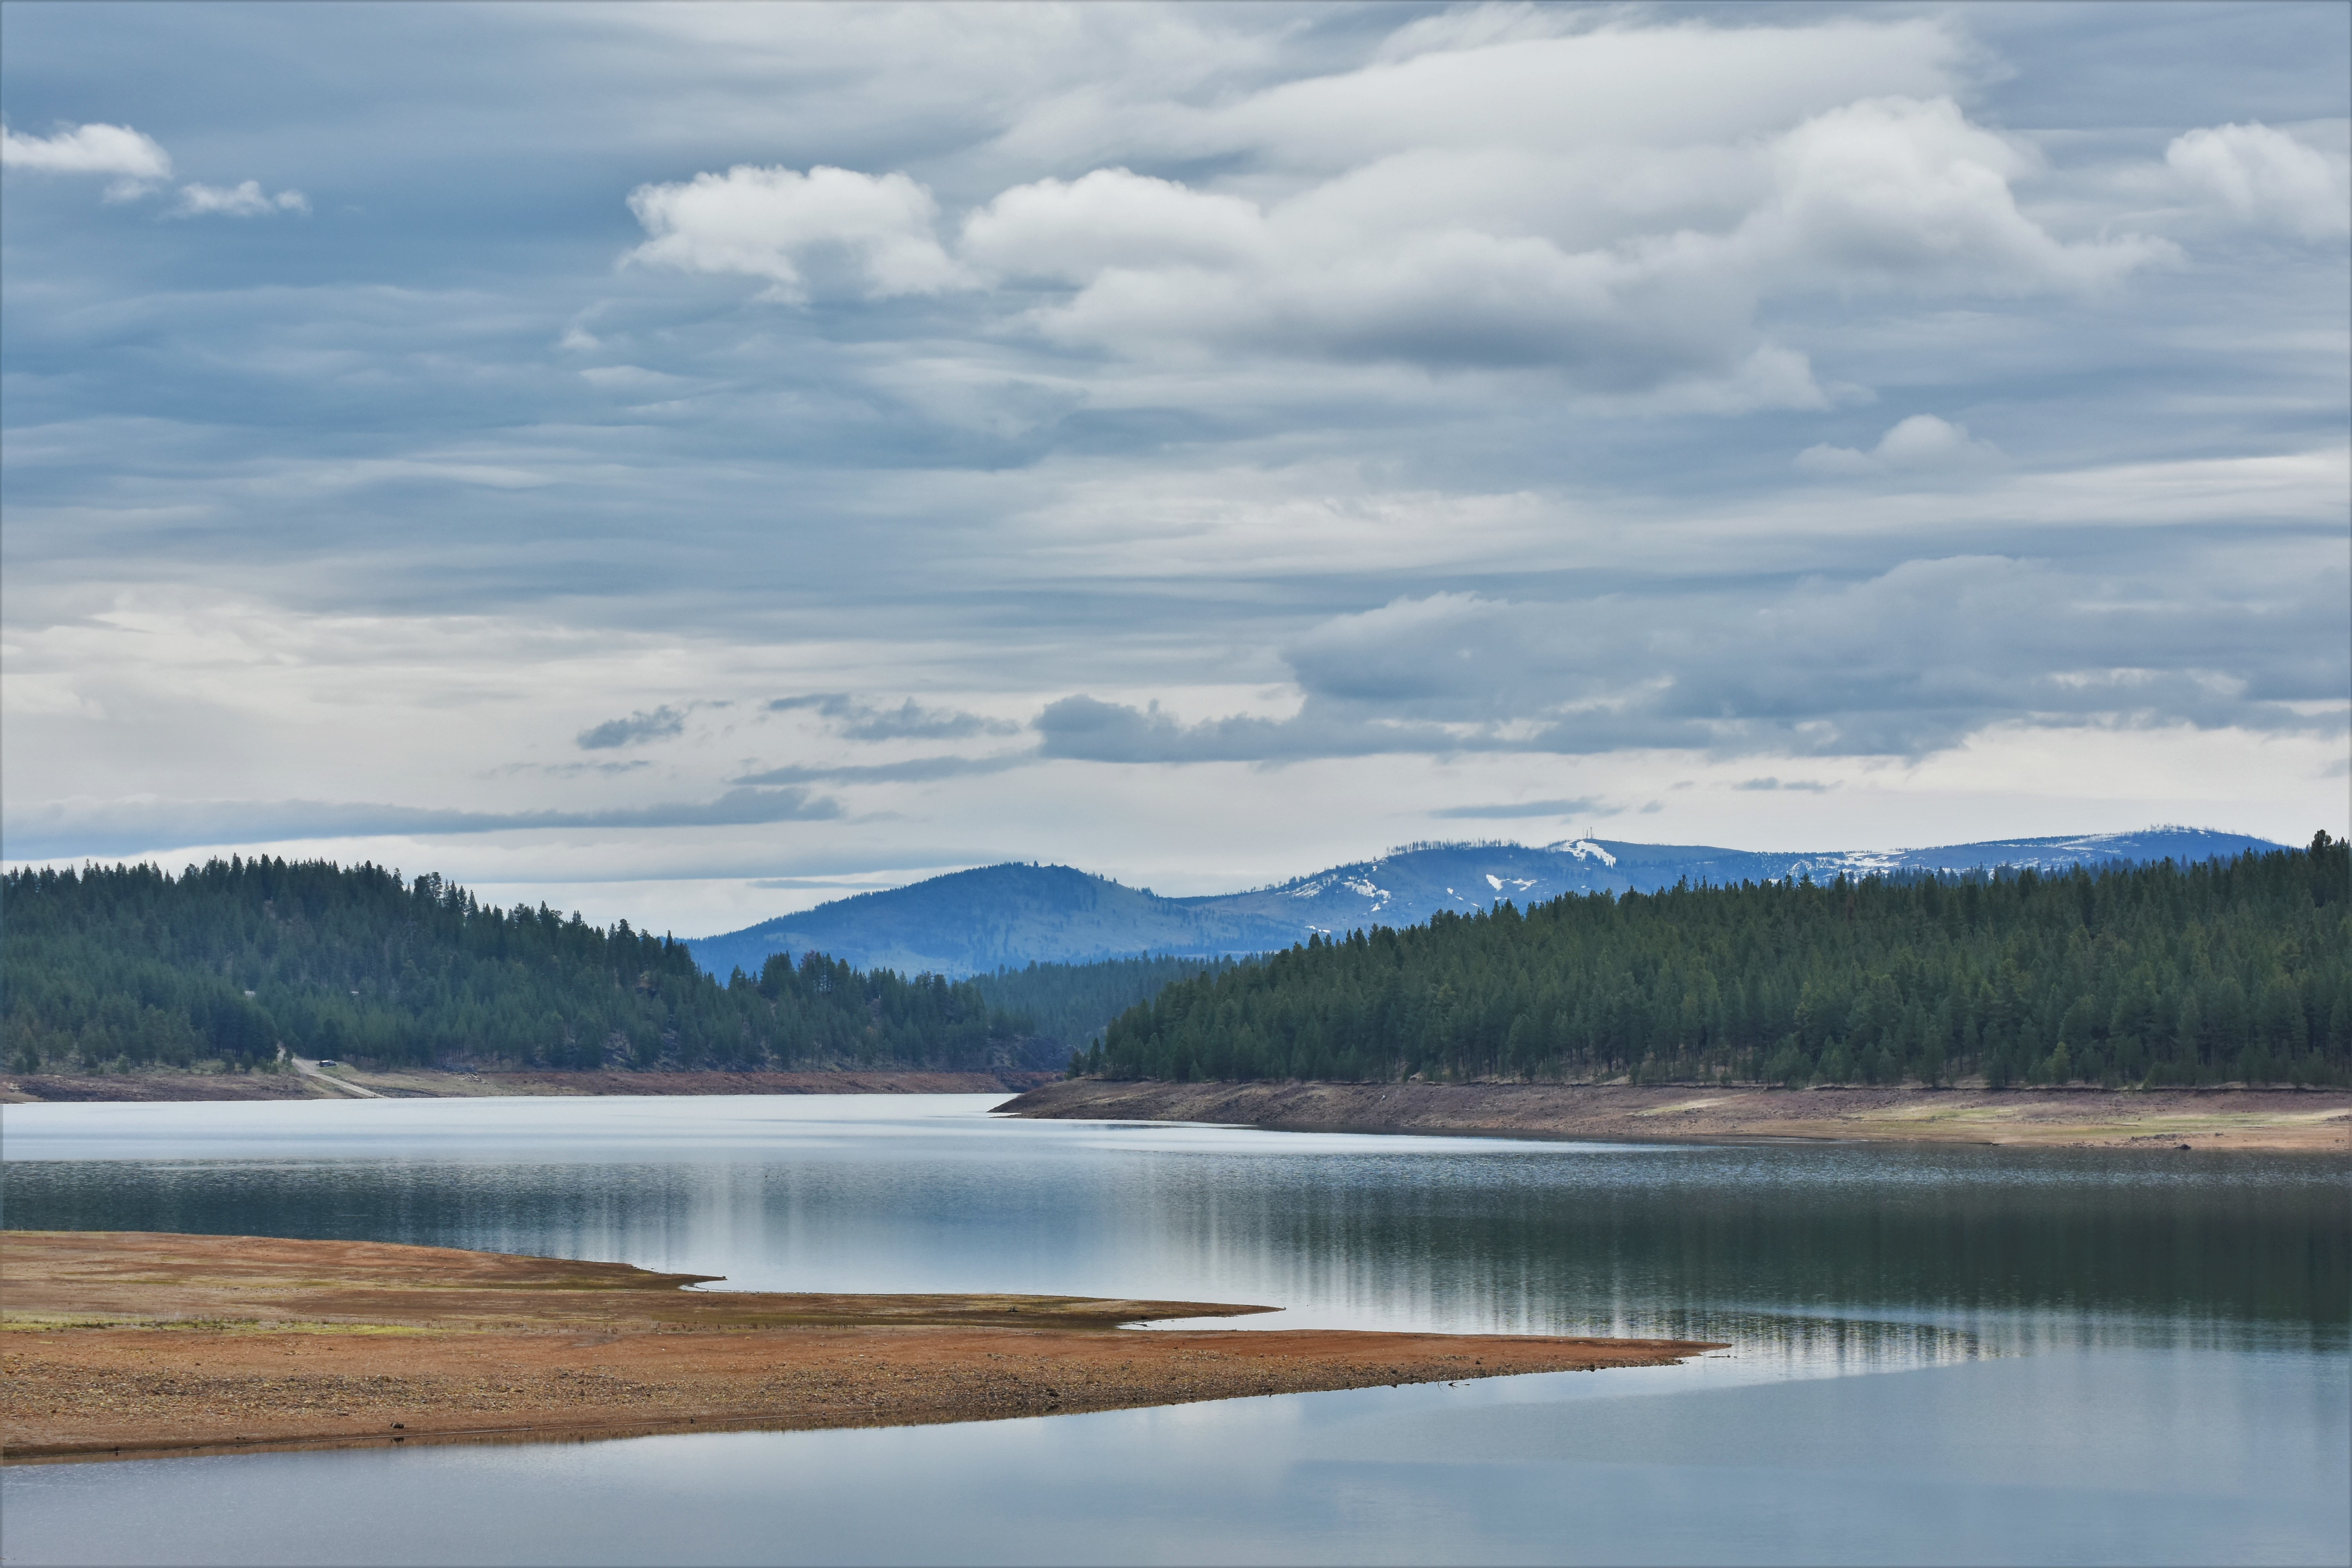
(1076, 1001)
(2218, 971)
(126, 965)
(1000, 917)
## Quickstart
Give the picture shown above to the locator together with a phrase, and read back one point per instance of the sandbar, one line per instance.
(141, 1344)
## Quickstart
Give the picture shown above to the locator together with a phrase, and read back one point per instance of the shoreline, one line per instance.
(432, 1083)
(141, 1344)
(2302, 1121)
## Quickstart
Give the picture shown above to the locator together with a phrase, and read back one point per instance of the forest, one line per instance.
(2236, 969)
(127, 966)
(1077, 1002)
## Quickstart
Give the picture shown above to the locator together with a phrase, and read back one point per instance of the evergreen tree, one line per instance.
(2148, 974)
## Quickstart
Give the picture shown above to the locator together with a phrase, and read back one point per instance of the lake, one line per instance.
(1937, 1355)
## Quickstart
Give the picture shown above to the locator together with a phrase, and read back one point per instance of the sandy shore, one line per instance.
(23, 1088)
(2168, 1119)
(139, 1344)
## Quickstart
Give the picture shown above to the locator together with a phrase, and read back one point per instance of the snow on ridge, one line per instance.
(1583, 849)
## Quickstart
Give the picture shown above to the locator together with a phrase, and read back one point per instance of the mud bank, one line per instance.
(139, 1344)
(424, 1084)
(2198, 1119)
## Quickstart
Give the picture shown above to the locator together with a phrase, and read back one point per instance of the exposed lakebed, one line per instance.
(1938, 1353)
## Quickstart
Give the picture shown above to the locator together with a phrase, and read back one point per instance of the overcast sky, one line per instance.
(684, 463)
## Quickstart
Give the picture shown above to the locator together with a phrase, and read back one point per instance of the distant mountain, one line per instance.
(971, 922)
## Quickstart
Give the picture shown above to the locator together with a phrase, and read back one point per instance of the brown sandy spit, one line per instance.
(134, 1344)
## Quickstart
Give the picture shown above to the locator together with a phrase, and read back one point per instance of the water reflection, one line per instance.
(1828, 1255)
(2091, 1356)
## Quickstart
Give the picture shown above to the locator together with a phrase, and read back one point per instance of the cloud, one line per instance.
(56, 829)
(1809, 786)
(1632, 258)
(1898, 193)
(860, 719)
(859, 232)
(1905, 663)
(1072, 233)
(1082, 728)
(915, 770)
(2266, 177)
(88, 150)
(1583, 805)
(245, 200)
(1922, 444)
(1407, 384)
(633, 731)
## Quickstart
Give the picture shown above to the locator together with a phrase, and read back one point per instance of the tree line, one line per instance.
(2154, 974)
(1074, 1003)
(117, 967)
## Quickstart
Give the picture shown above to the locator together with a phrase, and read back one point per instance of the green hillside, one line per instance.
(1070, 1005)
(126, 965)
(2220, 971)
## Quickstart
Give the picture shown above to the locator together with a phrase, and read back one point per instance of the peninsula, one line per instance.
(135, 1344)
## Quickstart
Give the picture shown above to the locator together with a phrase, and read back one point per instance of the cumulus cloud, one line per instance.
(1110, 219)
(2266, 177)
(1557, 81)
(1628, 267)
(635, 729)
(1922, 444)
(1900, 194)
(139, 163)
(243, 200)
(88, 149)
(865, 234)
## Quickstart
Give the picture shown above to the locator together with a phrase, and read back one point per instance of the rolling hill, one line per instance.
(971, 922)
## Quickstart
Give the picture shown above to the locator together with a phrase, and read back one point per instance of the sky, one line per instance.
(685, 463)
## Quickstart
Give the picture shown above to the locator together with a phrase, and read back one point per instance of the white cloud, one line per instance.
(245, 200)
(1634, 269)
(1899, 193)
(861, 233)
(1616, 86)
(1921, 444)
(1110, 219)
(2266, 177)
(48, 693)
(88, 150)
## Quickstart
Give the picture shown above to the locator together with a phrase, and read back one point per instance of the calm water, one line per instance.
(1938, 1355)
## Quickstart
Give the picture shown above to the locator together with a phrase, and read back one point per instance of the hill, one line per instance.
(121, 966)
(1000, 917)
(2216, 971)
(971, 922)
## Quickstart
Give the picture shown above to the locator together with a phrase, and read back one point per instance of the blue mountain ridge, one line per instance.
(994, 917)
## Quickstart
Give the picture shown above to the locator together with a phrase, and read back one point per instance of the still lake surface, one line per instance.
(1938, 1355)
